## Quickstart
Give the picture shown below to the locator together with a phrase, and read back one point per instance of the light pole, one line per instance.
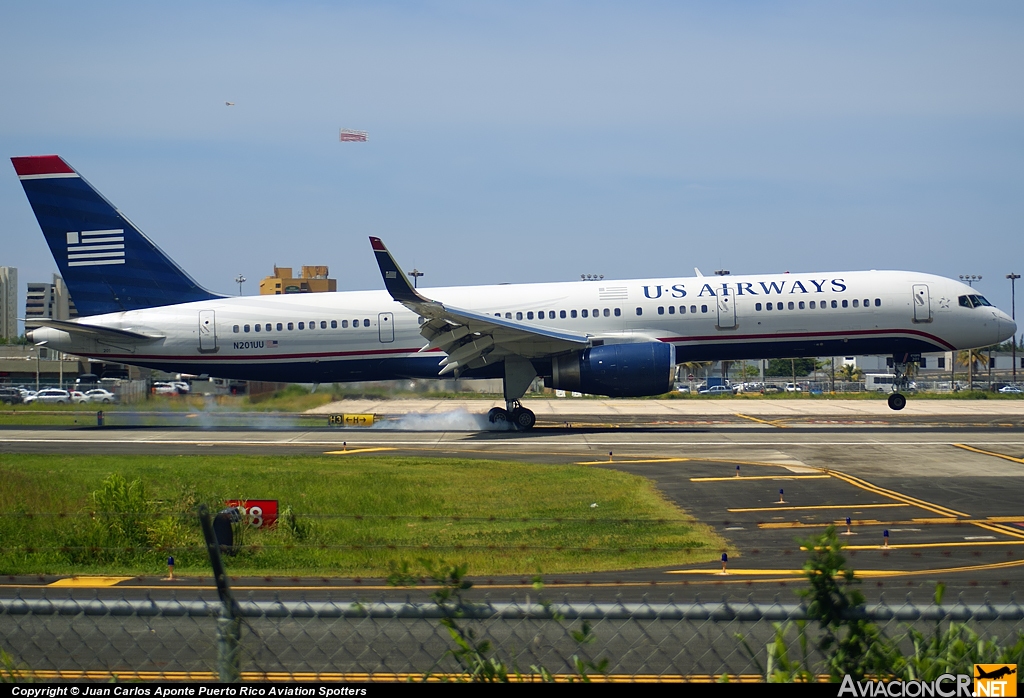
(969, 279)
(1013, 313)
(415, 274)
(38, 352)
(239, 280)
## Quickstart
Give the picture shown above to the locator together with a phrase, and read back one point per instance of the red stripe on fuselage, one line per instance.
(788, 335)
(40, 165)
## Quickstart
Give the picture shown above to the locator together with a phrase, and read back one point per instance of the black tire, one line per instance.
(523, 418)
(497, 415)
(897, 402)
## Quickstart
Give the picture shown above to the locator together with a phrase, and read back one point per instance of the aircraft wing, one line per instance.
(471, 339)
(96, 331)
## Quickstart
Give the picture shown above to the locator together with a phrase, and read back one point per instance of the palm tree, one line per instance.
(970, 358)
(849, 373)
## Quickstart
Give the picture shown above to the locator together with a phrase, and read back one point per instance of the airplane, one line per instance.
(605, 337)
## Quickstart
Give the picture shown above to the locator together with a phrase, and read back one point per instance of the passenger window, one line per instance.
(682, 310)
(334, 324)
(366, 323)
(312, 325)
(846, 303)
(661, 310)
(855, 303)
(257, 328)
(639, 311)
(878, 302)
(302, 325)
(812, 305)
(355, 323)
(572, 313)
(867, 302)
(801, 305)
(834, 304)
(529, 315)
(617, 312)
(291, 326)
(267, 327)
(245, 328)
(596, 313)
(280, 327)
(323, 324)
(561, 314)
(583, 313)
(769, 306)
(757, 306)
(607, 313)
(344, 324)
(671, 310)
(703, 309)
(234, 328)
(540, 315)
(693, 308)
(791, 307)
(508, 316)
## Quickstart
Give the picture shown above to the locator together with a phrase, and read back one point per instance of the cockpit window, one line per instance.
(973, 301)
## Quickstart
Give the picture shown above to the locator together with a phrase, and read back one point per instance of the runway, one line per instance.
(945, 485)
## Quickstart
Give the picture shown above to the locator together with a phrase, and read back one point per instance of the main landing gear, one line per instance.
(900, 381)
(514, 413)
(519, 373)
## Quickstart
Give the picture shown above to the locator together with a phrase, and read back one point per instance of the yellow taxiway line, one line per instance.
(761, 421)
(891, 494)
(352, 451)
(859, 522)
(819, 506)
(89, 582)
(734, 478)
(861, 573)
(630, 462)
(994, 454)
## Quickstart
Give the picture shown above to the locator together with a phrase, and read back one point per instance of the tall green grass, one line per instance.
(343, 515)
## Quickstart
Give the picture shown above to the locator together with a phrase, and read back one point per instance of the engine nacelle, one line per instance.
(616, 370)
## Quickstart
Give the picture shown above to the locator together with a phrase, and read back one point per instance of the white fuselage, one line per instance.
(365, 335)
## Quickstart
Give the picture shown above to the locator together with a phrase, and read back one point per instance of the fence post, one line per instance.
(229, 629)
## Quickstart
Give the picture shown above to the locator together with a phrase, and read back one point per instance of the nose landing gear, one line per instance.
(900, 381)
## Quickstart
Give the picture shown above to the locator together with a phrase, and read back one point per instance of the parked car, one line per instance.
(770, 389)
(78, 397)
(183, 387)
(50, 396)
(101, 395)
(11, 396)
(682, 388)
(164, 389)
(793, 388)
(1011, 390)
(717, 390)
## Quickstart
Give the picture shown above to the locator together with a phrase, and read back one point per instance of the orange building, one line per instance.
(311, 280)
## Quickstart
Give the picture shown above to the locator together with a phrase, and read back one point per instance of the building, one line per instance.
(8, 303)
(310, 280)
(51, 301)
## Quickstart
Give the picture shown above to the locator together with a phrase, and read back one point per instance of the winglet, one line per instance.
(394, 278)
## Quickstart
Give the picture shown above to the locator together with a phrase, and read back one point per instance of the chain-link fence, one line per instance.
(329, 640)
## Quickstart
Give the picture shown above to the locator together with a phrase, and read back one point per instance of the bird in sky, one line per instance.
(229, 104)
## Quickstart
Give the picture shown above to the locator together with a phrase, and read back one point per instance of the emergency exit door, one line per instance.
(207, 331)
(386, 327)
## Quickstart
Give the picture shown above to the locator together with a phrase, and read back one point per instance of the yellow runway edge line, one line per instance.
(761, 421)
(358, 450)
(759, 477)
(821, 506)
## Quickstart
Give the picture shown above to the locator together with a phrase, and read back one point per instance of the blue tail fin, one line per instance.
(108, 264)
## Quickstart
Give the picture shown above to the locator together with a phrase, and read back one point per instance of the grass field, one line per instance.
(352, 515)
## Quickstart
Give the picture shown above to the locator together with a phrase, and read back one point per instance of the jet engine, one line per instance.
(616, 370)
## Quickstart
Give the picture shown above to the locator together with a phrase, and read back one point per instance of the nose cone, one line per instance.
(1007, 327)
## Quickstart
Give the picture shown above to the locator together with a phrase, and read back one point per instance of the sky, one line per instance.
(523, 141)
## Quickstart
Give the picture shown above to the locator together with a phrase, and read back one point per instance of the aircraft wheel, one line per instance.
(497, 415)
(897, 402)
(523, 418)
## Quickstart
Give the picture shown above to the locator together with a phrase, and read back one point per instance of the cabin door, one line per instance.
(726, 309)
(207, 331)
(386, 327)
(922, 304)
